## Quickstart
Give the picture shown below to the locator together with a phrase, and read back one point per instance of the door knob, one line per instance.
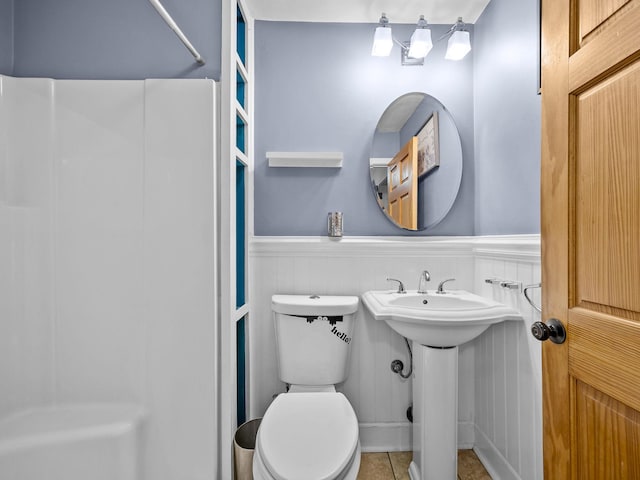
(552, 330)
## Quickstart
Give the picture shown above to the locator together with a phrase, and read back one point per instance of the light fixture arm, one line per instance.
(401, 44)
(459, 25)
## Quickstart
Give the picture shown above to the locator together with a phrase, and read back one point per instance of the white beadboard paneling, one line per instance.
(513, 403)
(466, 374)
(508, 393)
(351, 267)
(499, 387)
(499, 394)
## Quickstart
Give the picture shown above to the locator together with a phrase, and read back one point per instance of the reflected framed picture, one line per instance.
(428, 148)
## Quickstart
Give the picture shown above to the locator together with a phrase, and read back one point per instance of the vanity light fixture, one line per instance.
(382, 39)
(414, 51)
(459, 43)
(420, 44)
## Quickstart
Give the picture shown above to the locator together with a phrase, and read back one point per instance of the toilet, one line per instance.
(310, 432)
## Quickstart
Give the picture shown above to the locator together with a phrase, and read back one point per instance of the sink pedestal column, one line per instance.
(435, 413)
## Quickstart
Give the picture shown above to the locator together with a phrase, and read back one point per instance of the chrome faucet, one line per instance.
(400, 285)
(424, 278)
(441, 285)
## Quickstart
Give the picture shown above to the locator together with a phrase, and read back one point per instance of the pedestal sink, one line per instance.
(437, 323)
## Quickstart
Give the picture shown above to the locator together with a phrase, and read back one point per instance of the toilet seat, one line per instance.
(310, 436)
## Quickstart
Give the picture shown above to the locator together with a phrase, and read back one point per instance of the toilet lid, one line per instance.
(309, 436)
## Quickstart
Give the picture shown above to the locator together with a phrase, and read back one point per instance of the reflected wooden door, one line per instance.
(591, 237)
(402, 178)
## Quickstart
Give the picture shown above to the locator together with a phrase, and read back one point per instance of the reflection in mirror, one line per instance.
(416, 161)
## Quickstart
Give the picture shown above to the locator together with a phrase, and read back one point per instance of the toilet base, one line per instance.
(260, 471)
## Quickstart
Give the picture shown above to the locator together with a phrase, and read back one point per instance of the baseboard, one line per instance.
(494, 462)
(466, 435)
(386, 437)
(398, 437)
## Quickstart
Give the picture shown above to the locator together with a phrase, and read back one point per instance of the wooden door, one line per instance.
(402, 178)
(591, 237)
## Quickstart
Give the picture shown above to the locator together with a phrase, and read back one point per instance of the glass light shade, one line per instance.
(458, 46)
(382, 42)
(421, 43)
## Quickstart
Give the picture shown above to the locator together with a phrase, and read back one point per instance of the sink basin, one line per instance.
(437, 320)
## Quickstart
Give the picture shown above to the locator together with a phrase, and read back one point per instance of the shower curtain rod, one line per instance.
(174, 26)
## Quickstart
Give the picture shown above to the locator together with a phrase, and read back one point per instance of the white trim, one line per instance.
(242, 158)
(494, 462)
(516, 247)
(240, 66)
(305, 159)
(244, 116)
(229, 153)
(524, 256)
(241, 312)
(521, 248)
(227, 244)
(414, 474)
(466, 435)
(247, 70)
(398, 436)
(386, 437)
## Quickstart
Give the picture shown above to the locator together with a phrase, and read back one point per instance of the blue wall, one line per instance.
(6, 37)
(113, 39)
(507, 119)
(317, 88)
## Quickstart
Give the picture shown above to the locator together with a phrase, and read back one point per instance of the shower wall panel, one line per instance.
(99, 158)
(26, 260)
(180, 278)
(107, 256)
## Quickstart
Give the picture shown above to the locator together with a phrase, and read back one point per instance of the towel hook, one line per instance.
(526, 295)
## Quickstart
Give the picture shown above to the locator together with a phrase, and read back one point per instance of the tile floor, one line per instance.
(395, 466)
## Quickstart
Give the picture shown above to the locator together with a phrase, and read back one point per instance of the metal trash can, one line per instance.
(244, 443)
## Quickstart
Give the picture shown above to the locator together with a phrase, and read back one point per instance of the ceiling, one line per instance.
(397, 114)
(367, 11)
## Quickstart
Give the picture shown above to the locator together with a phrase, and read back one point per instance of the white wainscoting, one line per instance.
(508, 375)
(353, 265)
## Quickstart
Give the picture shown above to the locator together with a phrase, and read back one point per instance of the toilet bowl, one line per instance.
(308, 436)
(310, 432)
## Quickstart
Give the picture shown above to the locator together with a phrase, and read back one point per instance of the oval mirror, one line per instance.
(416, 161)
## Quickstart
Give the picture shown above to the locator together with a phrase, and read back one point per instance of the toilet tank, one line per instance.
(313, 337)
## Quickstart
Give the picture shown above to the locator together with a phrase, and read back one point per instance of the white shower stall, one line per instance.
(108, 271)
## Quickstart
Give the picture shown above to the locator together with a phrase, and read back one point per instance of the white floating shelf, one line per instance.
(305, 159)
(379, 162)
